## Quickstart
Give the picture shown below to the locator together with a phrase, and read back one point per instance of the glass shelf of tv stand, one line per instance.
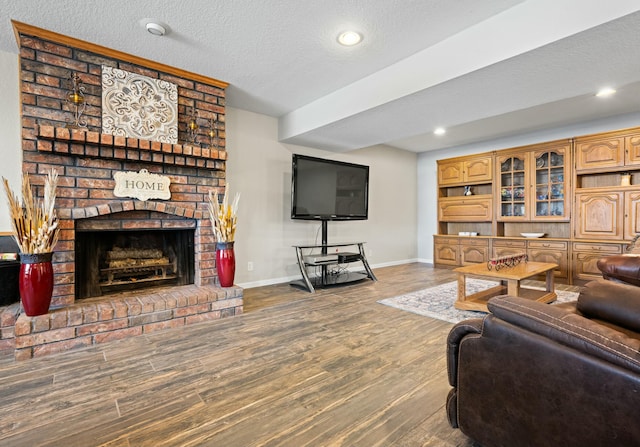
(327, 278)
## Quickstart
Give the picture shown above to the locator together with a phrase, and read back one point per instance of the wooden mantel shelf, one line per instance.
(87, 143)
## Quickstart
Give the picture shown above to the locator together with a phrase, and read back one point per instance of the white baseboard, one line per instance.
(392, 263)
(268, 282)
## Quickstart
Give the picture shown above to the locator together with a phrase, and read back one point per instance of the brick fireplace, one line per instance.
(86, 160)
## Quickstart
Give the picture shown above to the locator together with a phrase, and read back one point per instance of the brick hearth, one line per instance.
(113, 317)
(86, 161)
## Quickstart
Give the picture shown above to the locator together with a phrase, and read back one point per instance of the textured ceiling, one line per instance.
(484, 69)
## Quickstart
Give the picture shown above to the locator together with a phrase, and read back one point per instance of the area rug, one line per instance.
(437, 302)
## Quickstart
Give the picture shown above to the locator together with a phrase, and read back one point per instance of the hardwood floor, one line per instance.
(333, 368)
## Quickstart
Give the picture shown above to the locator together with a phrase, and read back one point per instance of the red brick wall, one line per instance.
(86, 160)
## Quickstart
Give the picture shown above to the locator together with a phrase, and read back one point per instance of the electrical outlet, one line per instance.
(249, 266)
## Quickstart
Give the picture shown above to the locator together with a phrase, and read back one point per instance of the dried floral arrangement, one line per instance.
(223, 215)
(34, 221)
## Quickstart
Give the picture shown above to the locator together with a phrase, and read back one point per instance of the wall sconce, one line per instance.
(192, 126)
(214, 133)
(75, 98)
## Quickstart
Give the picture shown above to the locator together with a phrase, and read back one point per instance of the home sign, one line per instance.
(142, 185)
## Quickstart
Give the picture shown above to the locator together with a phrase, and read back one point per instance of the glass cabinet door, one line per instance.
(549, 198)
(513, 185)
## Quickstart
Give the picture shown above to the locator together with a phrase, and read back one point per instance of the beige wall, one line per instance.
(10, 152)
(259, 167)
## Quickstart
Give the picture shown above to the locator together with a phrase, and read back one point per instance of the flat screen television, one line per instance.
(328, 190)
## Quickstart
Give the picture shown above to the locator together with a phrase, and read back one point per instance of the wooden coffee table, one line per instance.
(509, 278)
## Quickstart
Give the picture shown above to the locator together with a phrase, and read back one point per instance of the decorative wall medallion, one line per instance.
(142, 185)
(137, 106)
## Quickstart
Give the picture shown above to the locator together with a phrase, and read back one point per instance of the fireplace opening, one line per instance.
(115, 261)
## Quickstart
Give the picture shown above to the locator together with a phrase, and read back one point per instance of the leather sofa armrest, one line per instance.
(614, 302)
(624, 268)
(570, 329)
(461, 330)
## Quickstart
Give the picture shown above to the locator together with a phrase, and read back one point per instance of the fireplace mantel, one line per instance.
(87, 143)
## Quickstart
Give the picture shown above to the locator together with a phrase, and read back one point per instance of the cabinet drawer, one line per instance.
(445, 240)
(597, 248)
(509, 243)
(555, 245)
(465, 209)
(508, 247)
(475, 242)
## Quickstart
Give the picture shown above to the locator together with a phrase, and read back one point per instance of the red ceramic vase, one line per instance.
(225, 263)
(36, 283)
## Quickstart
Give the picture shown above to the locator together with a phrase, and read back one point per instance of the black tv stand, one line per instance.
(323, 259)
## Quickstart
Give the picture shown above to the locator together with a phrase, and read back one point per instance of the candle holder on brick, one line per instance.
(214, 133)
(192, 127)
(75, 99)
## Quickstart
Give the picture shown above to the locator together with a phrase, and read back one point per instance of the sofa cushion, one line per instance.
(613, 302)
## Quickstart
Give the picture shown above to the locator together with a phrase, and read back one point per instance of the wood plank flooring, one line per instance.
(333, 368)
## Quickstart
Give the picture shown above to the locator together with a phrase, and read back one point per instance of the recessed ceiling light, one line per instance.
(607, 91)
(440, 131)
(156, 29)
(350, 38)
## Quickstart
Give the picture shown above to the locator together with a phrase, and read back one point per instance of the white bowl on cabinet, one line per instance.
(532, 235)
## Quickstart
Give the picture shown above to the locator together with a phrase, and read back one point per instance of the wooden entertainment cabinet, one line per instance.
(583, 193)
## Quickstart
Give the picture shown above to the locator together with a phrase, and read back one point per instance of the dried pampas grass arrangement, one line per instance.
(34, 221)
(223, 215)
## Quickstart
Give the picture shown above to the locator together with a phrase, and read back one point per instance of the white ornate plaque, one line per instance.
(142, 185)
(137, 106)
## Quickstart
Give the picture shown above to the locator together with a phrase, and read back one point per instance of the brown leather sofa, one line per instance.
(533, 374)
